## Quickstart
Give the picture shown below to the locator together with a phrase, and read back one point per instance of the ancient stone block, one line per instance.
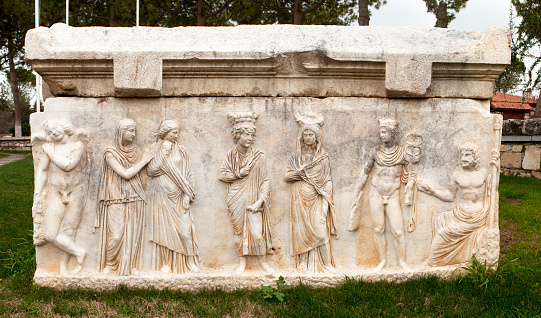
(532, 158)
(517, 148)
(235, 173)
(511, 160)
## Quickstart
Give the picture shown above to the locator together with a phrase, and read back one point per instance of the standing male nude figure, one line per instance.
(391, 167)
(62, 170)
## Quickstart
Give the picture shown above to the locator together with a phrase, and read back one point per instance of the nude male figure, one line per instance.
(61, 170)
(390, 164)
(456, 231)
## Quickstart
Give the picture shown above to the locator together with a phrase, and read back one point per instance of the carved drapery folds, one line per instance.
(171, 192)
(430, 88)
(311, 200)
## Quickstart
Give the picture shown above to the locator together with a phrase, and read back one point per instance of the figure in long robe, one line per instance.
(456, 233)
(171, 192)
(311, 199)
(244, 169)
(122, 202)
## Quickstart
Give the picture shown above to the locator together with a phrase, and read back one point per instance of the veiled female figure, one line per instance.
(122, 202)
(311, 202)
(171, 191)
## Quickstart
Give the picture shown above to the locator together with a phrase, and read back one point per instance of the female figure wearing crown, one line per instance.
(311, 199)
(244, 169)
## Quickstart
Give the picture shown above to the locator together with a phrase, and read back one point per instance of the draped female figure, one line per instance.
(122, 202)
(311, 202)
(172, 191)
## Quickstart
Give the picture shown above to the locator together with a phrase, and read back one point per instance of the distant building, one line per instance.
(512, 106)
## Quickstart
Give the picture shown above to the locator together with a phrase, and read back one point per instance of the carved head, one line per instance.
(167, 130)
(387, 129)
(125, 131)
(310, 128)
(57, 129)
(469, 155)
(243, 126)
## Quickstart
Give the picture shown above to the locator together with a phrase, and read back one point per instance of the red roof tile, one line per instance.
(502, 101)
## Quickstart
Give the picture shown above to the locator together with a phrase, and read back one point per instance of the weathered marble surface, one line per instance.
(214, 72)
(277, 60)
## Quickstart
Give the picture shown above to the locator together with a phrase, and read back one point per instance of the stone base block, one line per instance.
(227, 281)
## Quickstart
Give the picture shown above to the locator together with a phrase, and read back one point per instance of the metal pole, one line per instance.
(136, 14)
(38, 78)
(67, 12)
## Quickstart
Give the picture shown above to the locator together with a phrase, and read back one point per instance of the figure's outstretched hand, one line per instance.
(425, 186)
(147, 156)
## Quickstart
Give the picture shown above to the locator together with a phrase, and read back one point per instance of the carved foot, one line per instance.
(268, 269)
(77, 270)
(135, 272)
(166, 269)
(195, 269)
(302, 268)
(81, 257)
(405, 266)
(242, 265)
(63, 270)
(106, 270)
(380, 266)
(331, 270)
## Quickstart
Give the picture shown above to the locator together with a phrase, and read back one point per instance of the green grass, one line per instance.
(514, 290)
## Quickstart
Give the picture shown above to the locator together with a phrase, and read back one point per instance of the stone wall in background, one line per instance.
(521, 148)
(15, 143)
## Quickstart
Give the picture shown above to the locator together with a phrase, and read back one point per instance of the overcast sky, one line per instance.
(477, 16)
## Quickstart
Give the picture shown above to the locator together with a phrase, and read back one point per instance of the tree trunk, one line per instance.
(364, 14)
(537, 107)
(200, 12)
(14, 87)
(297, 12)
(442, 20)
(113, 20)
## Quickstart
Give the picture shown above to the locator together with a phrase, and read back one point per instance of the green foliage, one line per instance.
(20, 259)
(279, 292)
(444, 10)
(483, 274)
(511, 78)
(527, 36)
(25, 129)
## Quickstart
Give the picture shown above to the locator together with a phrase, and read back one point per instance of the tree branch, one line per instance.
(314, 8)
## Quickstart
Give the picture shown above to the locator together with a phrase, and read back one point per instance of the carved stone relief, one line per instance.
(135, 216)
(466, 230)
(171, 191)
(61, 178)
(311, 199)
(122, 203)
(392, 165)
(244, 168)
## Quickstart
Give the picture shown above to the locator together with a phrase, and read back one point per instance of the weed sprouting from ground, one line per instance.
(269, 292)
(482, 274)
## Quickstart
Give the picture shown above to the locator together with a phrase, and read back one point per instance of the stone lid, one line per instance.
(268, 60)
